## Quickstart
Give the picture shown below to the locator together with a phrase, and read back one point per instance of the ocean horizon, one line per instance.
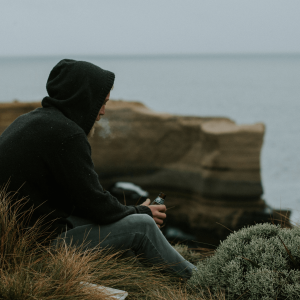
(247, 88)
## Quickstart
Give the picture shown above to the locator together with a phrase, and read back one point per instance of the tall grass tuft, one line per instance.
(28, 268)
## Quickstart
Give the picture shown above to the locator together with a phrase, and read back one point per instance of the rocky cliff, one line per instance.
(208, 167)
(203, 157)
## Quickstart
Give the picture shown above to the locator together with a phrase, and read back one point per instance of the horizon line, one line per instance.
(162, 55)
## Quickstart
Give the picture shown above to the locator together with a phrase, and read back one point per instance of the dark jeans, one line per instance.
(137, 232)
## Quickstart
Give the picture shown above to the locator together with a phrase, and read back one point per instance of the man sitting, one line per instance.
(46, 156)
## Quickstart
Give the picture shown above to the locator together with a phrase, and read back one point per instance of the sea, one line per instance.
(246, 88)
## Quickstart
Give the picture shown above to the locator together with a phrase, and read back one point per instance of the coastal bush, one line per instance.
(258, 262)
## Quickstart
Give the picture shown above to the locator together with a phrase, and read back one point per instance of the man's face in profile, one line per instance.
(102, 109)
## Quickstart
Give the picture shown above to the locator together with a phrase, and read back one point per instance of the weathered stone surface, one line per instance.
(208, 167)
(231, 159)
(207, 157)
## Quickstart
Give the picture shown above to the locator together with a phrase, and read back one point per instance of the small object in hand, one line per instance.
(160, 199)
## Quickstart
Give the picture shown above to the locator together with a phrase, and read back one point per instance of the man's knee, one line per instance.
(139, 221)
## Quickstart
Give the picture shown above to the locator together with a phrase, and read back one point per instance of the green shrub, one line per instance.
(259, 262)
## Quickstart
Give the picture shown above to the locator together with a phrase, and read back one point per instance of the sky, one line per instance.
(137, 27)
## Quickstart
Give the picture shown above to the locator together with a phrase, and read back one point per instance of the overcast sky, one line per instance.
(97, 27)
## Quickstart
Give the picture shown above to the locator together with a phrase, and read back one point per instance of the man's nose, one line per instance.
(102, 110)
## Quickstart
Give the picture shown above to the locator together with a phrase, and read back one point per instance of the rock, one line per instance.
(207, 157)
(209, 167)
(231, 160)
(107, 291)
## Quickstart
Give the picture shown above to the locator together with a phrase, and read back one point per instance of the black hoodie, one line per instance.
(46, 155)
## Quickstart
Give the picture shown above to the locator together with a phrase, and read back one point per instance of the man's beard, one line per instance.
(92, 131)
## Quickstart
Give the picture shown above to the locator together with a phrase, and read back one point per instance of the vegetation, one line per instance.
(30, 269)
(258, 262)
(261, 261)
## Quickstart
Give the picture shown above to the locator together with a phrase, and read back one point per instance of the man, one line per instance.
(46, 156)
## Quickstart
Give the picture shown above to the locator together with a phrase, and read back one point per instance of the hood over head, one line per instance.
(78, 89)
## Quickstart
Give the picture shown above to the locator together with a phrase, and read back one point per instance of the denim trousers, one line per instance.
(137, 233)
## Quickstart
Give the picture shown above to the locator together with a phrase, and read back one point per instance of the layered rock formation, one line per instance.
(208, 157)
(208, 167)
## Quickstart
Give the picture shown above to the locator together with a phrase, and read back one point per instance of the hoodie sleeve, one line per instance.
(73, 169)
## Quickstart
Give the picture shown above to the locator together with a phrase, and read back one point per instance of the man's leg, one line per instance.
(137, 232)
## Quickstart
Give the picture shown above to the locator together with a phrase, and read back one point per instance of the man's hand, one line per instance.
(158, 212)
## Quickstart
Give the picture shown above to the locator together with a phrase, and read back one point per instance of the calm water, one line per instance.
(248, 89)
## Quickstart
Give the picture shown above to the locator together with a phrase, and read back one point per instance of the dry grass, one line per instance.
(33, 270)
